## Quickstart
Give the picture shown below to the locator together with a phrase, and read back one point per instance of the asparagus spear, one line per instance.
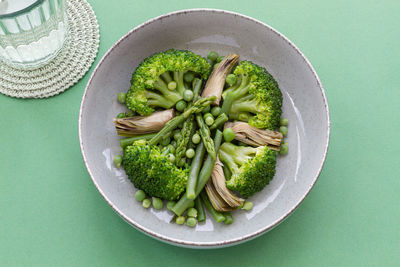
(205, 136)
(197, 107)
(186, 135)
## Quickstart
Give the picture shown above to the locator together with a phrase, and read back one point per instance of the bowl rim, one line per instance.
(194, 244)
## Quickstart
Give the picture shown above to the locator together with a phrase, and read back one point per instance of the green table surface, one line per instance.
(52, 215)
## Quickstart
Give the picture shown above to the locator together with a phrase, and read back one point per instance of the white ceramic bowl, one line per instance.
(203, 30)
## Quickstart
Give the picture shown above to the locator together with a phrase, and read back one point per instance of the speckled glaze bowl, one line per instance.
(203, 30)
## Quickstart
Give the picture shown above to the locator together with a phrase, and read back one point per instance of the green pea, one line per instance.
(118, 160)
(192, 212)
(215, 111)
(191, 222)
(231, 79)
(121, 97)
(283, 130)
(182, 162)
(171, 148)
(247, 205)
(284, 122)
(177, 136)
(140, 195)
(166, 141)
(208, 114)
(212, 56)
(188, 95)
(190, 153)
(146, 203)
(180, 220)
(284, 149)
(157, 203)
(206, 110)
(170, 204)
(172, 85)
(229, 134)
(181, 105)
(220, 59)
(121, 115)
(171, 157)
(188, 77)
(196, 138)
(209, 120)
(210, 61)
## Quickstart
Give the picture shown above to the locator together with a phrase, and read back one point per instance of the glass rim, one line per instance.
(22, 11)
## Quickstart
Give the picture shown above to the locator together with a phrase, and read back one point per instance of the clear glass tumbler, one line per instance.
(32, 32)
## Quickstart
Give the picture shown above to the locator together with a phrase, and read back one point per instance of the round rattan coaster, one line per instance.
(70, 65)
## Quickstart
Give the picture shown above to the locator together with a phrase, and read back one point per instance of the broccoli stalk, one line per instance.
(166, 99)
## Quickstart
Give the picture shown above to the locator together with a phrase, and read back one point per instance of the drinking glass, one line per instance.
(32, 32)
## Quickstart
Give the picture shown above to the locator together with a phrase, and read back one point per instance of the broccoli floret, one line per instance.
(149, 83)
(255, 97)
(252, 168)
(151, 171)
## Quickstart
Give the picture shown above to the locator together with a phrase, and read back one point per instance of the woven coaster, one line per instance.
(69, 66)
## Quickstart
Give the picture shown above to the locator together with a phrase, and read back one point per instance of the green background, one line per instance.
(51, 213)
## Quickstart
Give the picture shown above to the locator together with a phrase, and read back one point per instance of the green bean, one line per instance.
(201, 215)
(220, 120)
(203, 177)
(194, 171)
(170, 204)
(129, 141)
(218, 216)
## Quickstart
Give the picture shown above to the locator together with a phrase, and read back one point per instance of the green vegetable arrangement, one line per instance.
(201, 134)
